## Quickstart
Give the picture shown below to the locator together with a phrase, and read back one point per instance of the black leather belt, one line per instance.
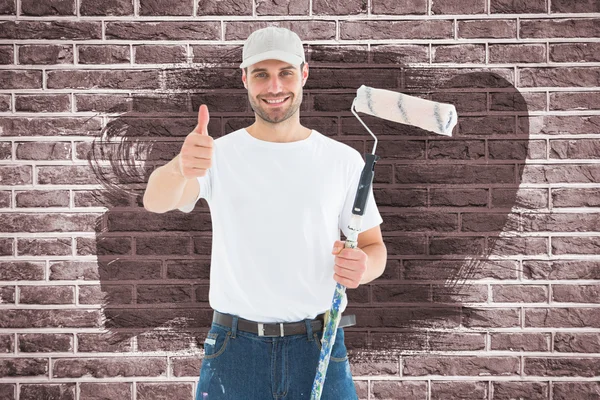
(275, 329)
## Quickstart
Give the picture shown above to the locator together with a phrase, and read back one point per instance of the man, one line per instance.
(279, 193)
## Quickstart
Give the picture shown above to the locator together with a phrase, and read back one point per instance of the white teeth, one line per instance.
(275, 101)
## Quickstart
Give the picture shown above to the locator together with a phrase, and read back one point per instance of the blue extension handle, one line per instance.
(332, 317)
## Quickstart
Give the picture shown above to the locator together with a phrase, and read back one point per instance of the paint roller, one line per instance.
(393, 106)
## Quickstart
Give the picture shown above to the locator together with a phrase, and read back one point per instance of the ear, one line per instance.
(305, 78)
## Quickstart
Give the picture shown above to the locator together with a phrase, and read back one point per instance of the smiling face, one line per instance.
(275, 80)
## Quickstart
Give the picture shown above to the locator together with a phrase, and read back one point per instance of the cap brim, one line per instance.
(272, 55)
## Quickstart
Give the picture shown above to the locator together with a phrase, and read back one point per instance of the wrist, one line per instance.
(175, 168)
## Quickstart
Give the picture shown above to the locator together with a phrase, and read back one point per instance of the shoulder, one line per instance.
(341, 148)
(344, 153)
(228, 137)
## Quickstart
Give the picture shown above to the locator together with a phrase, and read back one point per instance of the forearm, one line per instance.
(165, 188)
(377, 258)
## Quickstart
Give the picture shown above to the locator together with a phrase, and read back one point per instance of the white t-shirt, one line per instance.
(276, 210)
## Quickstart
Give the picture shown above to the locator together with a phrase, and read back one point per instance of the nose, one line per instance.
(275, 85)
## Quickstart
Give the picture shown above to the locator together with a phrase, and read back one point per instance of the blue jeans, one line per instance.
(240, 365)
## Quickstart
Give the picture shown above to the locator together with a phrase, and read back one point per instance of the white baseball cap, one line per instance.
(272, 43)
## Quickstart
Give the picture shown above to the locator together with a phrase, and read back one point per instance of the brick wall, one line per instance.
(492, 282)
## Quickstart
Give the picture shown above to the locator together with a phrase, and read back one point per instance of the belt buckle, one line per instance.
(261, 330)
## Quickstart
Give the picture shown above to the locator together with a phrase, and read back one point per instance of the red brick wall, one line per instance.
(492, 282)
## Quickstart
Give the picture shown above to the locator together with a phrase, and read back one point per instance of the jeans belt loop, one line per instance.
(261, 330)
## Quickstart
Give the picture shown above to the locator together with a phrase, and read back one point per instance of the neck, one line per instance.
(278, 133)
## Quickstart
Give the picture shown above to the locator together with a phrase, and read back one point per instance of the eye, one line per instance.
(284, 72)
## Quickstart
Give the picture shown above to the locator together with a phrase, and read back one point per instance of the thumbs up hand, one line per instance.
(195, 157)
(203, 117)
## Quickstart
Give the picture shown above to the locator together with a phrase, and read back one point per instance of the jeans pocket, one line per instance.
(339, 353)
(216, 342)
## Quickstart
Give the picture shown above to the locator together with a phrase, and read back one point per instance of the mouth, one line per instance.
(276, 104)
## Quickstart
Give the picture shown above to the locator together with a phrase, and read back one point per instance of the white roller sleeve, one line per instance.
(398, 107)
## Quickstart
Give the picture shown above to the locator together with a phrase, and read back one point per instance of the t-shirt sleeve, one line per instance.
(371, 216)
(205, 191)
